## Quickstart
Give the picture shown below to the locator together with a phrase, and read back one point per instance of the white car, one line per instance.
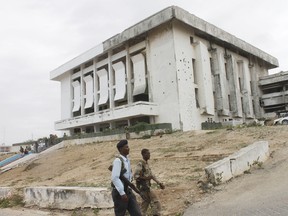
(281, 121)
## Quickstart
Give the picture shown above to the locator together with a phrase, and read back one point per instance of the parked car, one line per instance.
(281, 121)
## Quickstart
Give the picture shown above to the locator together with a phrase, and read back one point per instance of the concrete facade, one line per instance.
(68, 197)
(171, 62)
(274, 93)
(6, 192)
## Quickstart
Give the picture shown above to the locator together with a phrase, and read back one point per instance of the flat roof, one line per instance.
(203, 28)
(274, 78)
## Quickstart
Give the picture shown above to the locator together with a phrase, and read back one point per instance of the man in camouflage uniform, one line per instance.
(143, 176)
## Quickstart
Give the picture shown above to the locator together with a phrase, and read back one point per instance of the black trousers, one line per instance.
(120, 207)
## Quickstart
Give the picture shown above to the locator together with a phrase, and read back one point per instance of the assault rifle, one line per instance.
(130, 184)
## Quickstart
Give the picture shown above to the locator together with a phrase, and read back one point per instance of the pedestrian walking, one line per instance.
(143, 175)
(122, 195)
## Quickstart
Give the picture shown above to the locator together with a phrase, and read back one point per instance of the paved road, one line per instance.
(264, 192)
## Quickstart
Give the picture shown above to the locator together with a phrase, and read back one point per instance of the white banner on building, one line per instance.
(89, 91)
(103, 84)
(120, 78)
(139, 74)
(76, 100)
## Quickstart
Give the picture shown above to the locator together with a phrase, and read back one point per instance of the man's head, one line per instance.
(123, 147)
(145, 154)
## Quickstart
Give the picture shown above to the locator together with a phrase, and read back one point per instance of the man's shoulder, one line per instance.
(141, 163)
(118, 159)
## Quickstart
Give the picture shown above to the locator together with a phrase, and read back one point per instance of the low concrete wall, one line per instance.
(254, 154)
(237, 163)
(219, 171)
(5, 192)
(113, 138)
(68, 197)
(19, 162)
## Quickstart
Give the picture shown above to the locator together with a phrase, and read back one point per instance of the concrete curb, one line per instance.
(6, 192)
(237, 163)
(68, 197)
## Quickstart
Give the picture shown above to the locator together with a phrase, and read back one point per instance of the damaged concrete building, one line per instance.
(274, 90)
(172, 67)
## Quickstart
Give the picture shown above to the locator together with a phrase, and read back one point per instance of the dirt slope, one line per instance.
(178, 159)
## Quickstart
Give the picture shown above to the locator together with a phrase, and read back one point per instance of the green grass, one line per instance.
(14, 200)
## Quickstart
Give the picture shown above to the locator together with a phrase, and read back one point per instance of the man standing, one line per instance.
(122, 195)
(143, 176)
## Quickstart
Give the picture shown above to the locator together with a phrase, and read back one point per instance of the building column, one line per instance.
(110, 81)
(204, 79)
(82, 91)
(246, 92)
(255, 91)
(235, 98)
(218, 71)
(96, 87)
(128, 75)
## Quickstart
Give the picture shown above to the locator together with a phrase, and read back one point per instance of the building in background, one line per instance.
(172, 67)
(274, 97)
(5, 149)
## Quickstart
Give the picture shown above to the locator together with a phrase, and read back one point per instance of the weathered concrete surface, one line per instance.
(274, 78)
(263, 192)
(254, 154)
(5, 192)
(219, 171)
(68, 197)
(166, 15)
(237, 163)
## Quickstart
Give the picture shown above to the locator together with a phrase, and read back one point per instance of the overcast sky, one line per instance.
(37, 36)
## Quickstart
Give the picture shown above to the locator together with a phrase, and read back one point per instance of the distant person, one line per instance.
(143, 176)
(127, 133)
(122, 195)
(46, 142)
(52, 139)
(21, 150)
(64, 136)
(29, 148)
(26, 151)
(36, 145)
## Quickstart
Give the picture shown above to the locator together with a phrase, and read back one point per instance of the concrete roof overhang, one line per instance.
(278, 78)
(202, 29)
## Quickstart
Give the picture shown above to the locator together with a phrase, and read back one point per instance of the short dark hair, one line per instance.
(143, 151)
(121, 143)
